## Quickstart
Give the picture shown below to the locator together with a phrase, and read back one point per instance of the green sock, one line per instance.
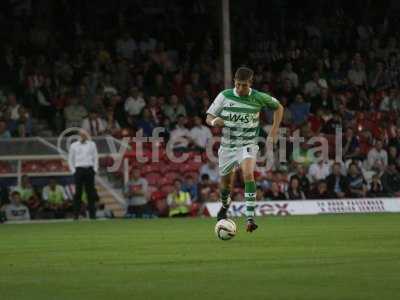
(250, 197)
(225, 197)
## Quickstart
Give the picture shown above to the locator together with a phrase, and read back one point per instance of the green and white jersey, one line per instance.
(241, 116)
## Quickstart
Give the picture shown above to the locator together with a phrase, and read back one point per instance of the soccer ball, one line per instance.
(225, 229)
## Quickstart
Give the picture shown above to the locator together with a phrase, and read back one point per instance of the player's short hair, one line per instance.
(244, 74)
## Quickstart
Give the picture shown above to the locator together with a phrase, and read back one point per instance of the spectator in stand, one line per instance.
(337, 183)
(174, 109)
(13, 107)
(294, 191)
(320, 191)
(377, 158)
(23, 125)
(200, 134)
(29, 196)
(289, 74)
(376, 187)
(357, 76)
(210, 168)
(136, 192)
(178, 87)
(303, 179)
(337, 78)
(126, 46)
(391, 181)
(320, 169)
(259, 193)
(134, 103)
(191, 187)
(179, 201)
(299, 110)
(322, 101)
(393, 157)
(395, 140)
(56, 200)
(74, 113)
(16, 211)
(274, 193)
(189, 100)
(213, 197)
(109, 90)
(313, 87)
(25, 189)
(4, 133)
(112, 124)
(351, 145)
(160, 87)
(155, 110)
(357, 184)
(180, 135)
(145, 125)
(206, 187)
(332, 123)
(93, 124)
(379, 79)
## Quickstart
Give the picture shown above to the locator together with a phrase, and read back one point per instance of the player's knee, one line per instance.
(248, 176)
(225, 186)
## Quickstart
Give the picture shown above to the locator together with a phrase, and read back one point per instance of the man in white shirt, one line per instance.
(319, 170)
(134, 103)
(16, 211)
(313, 87)
(357, 75)
(84, 164)
(211, 169)
(180, 135)
(93, 124)
(200, 134)
(377, 157)
(288, 73)
(13, 107)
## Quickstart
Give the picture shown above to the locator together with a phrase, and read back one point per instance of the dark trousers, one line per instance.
(84, 177)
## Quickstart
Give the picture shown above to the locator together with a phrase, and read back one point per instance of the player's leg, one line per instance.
(225, 191)
(227, 161)
(247, 165)
(78, 192)
(91, 192)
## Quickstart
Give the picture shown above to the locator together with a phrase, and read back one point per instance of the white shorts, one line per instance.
(230, 158)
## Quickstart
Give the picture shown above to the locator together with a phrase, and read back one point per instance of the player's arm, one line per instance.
(214, 121)
(273, 104)
(278, 116)
(71, 159)
(214, 111)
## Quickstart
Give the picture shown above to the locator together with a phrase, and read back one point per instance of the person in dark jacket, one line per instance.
(338, 185)
(294, 191)
(320, 191)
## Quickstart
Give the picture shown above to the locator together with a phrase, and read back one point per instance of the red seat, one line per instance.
(31, 167)
(153, 178)
(149, 168)
(53, 166)
(152, 189)
(194, 175)
(172, 175)
(5, 167)
(166, 189)
(192, 166)
(173, 167)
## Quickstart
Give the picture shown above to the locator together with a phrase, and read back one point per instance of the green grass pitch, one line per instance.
(311, 257)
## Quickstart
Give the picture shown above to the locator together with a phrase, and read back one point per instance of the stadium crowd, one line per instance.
(126, 76)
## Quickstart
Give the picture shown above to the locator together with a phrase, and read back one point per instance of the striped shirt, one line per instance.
(240, 115)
